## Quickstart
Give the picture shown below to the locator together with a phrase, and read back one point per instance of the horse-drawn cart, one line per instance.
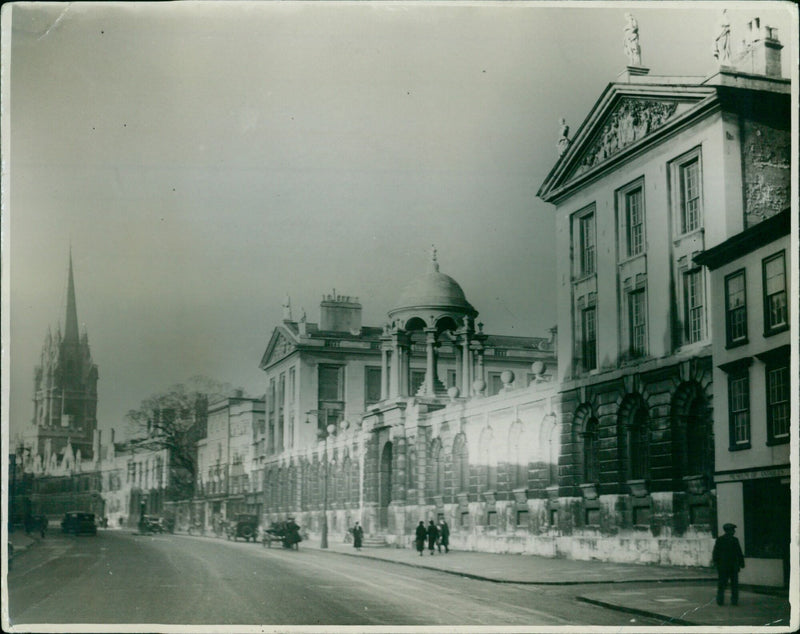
(287, 533)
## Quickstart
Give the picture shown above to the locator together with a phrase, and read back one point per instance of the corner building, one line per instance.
(662, 169)
(750, 280)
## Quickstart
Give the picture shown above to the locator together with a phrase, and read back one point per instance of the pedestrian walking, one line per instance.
(421, 534)
(433, 535)
(358, 536)
(728, 559)
(444, 537)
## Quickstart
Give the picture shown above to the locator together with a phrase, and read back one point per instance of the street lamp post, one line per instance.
(324, 433)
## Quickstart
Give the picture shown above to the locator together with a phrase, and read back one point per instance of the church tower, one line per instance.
(65, 389)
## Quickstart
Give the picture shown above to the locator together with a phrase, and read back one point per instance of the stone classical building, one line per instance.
(225, 483)
(64, 393)
(750, 282)
(323, 379)
(662, 169)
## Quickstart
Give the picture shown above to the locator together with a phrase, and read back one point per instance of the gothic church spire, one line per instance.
(71, 323)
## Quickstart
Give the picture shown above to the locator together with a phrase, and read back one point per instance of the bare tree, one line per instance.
(175, 420)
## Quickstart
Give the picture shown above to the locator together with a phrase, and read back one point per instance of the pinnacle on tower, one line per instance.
(71, 324)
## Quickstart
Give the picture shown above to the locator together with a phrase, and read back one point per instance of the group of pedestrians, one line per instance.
(434, 536)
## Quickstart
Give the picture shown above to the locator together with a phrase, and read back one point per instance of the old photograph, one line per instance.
(399, 316)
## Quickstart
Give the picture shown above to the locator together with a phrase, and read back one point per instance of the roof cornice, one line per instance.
(747, 241)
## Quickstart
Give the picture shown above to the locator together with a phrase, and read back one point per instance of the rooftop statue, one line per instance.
(631, 41)
(563, 141)
(722, 42)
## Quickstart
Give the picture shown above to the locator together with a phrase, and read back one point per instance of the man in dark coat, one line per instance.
(728, 559)
(444, 537)
(433, 534)
(358, 536)
(421, 534)
(292, 536)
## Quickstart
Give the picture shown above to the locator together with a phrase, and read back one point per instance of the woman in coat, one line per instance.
(422, 533)
(358, 536)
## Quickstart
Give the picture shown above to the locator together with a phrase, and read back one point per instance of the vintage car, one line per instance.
(78, 522)
(151, 524)
(243, 525)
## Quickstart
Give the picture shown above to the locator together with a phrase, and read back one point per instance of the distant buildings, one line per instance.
(64, 395)
(228, 480)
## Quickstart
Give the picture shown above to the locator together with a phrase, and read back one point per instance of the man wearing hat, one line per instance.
(728, 559)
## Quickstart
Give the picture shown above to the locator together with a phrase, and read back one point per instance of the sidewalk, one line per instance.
(693, 604)
(675, 595)
(20, 542)
(526, 569)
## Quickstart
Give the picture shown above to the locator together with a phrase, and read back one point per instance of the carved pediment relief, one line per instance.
(631, 120)
(279, 348)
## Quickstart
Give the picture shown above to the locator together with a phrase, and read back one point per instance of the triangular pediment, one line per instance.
(631, 120)
(622, 121)
(281, 344)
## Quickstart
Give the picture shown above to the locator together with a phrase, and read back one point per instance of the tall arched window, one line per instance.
(697, 437)
(347, 470)
(488, 470)
(591, 443)
(517, 457)
(305, 476)
(460, 464)
(638, 443)
(437, 468)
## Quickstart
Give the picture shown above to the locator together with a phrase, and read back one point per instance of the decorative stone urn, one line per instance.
(478, 387)
(638, 488)
(695, 484)
(520, 495)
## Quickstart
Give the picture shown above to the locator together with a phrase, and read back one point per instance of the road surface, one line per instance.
(122, 578)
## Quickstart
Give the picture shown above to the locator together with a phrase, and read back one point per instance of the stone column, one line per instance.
(394, 378)
(459, 364)
(384, 373)
(404, 362)
(399, 470)
(466, 364)
(430, 364)
(477, 354)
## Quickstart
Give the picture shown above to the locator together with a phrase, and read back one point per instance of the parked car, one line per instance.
(243, 525)
(78, 522)
(151, 524)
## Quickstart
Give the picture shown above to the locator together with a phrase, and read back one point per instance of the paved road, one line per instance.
(120, 577)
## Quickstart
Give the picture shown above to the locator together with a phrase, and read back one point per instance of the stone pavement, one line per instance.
(672, 594)
(20, 541)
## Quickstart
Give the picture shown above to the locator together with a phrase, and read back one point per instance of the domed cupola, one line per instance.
(431, 297)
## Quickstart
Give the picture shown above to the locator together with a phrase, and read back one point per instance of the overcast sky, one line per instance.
(206, 159)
